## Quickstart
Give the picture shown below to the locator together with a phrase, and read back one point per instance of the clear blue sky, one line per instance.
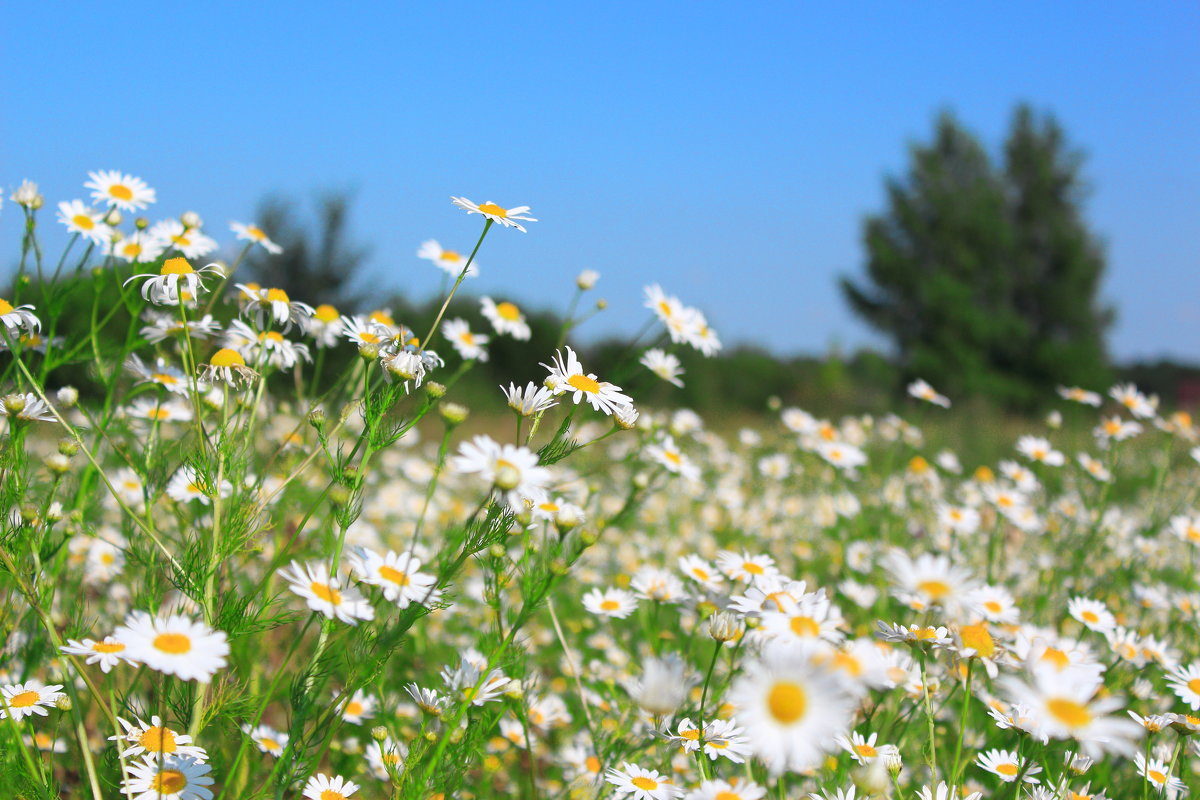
(726, 150)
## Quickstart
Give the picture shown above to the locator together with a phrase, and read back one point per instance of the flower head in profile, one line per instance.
(108, 652)
(118, 189)
(664, 365)
(227, 366)
(567, 376)
(468, 344)
(176, 281)
(249, 232)
(508, 217)
(27, 407)
(513, 471)
(533, 399)
(451, 262)
(176, 234)
(505, 317)
(923, 391)
(18, 318)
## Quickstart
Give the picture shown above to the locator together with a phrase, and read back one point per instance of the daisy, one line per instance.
(175, 279)
(668, 454)
(18, 318)
(841, 455)
(357, 708)
(960, 519)
(745, 567)
(171, 777)
(923, 391)
(449, 261)
(398, 575)
(154, 739)
(187, 484)
(861, 749)
(513, 470)
(652, 583)
(1115, 429)
(323, 787)
(175, 645)
(228, 366)
(172, 234)
(27, 195)
(930, 580)
(1064, 706)
(586, 279)
(567, 376)
(25, 699)
(162, 373)
(250, 232)
(267, 739)
(1138, 404)
(1078, 395)
(325, 594)
(28, 407)
(469, 682)
(615, 603)
(810, 620)
(995, 603)
(1095, 467)
(643, 784)
(166, 325)
(137, 247)
(1092, 613)
(1035, 448)
(667, 308)
(508, 217)
(664, 365)
(505, 318)
(85, 221)
(792, 709)
(427, 700)
(123, 191)
(945, 792)
(698, 569)
(1158, 774)
(107, 653)
(325, 325)
(274, 305)
(470, 346)
(1006, 765)
(1185, 682)
(533, 399)
(385, 758)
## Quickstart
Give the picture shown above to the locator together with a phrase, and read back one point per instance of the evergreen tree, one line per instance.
(985, 275)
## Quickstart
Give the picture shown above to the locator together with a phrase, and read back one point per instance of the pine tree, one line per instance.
(985, 276)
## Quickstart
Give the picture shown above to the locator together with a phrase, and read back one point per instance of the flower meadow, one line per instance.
(224, 581)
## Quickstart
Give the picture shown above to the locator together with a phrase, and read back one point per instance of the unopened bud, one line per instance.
(497, 550)
(55, 512)
(508, 477)
(379, 733)
(14, 403)
(29, 514)
(339, 495)
(587, 279)
(58, 463)
(435, 390)
(453, 413)
(559, 567)
(113, 217)
(601, 304)
(191, 219)
(141, 223)
(369, 350)
(723, 627)
(567, 518)
(893, 761)
(589, 538)
(68, 447)
(316, 418)
(626, 417)
(63, 703)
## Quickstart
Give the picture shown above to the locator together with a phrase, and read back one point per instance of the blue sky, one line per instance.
(728, 151)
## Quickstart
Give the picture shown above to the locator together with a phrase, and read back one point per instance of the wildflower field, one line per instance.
(222, 579)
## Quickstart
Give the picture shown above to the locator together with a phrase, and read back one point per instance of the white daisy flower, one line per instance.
(123, 191)
(175, 645)
(642, 784)
(154, 739)
(470, 346)
(171, 777)
(249, 232)
(398, 574)
(449, 261)
(325, 594)
(172, 234)
(567, 376)
(508, 217)
(107, 653)
(664, 365)
(22, 700)
(85, 221)
(505, 318)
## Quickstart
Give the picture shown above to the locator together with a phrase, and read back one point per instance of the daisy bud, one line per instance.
(453, 413)
(1054, 420)
(55, 512)
(63, 703)
(601, 304)
(379, 733)
(892, 761)
(626, 417)
(191, 219)
(67, 396)
(589, 538)
(68, 447)
(871, 778)
(641, 480)
(456, 736)
(566, 519)
(339, 495)
(14, 403)
(507, 477)
(27, 195)
(431, 736)
(587, 279)
(435, 390)
(369, 350)
(497, 550)
(58, 463)
(723, 627)
(559, 567)
(774, 403)
(141, 223)
(316, 418)
(113, 217)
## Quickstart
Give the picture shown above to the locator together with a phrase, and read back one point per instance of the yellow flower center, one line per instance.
(592, 764)
(326, 593)
(936, 590)
(645, 784)
(270, 336)
(847, 663)
(1056, 657)
(805, 627)
(508, 311)
(1090, 616)
(277, 296)
(173, 643)
(24, 699)
(978, 639)
(918, 464)
(450, 255)
(1156, 776)
(609, 605)
(164, 378)
(993, 606)
(583, 383)
(752, 568)
(120, 191)
(1069, 712)
(383, 318)
(131, 248)
(225, 357)
(494, 210)
(787, 702)
(176, 266)
(83, 221)
(394, 575)
(326, 313)
(330, 794)
(700, 573)
(354, 708)
(865, 750)
(1194, 685)
(108, 647)
(1007, 769)
(692, 735)
(158, 739)
(728, 796)
(169, 780)
(5, 307)
(255, 232)
(673, 457)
